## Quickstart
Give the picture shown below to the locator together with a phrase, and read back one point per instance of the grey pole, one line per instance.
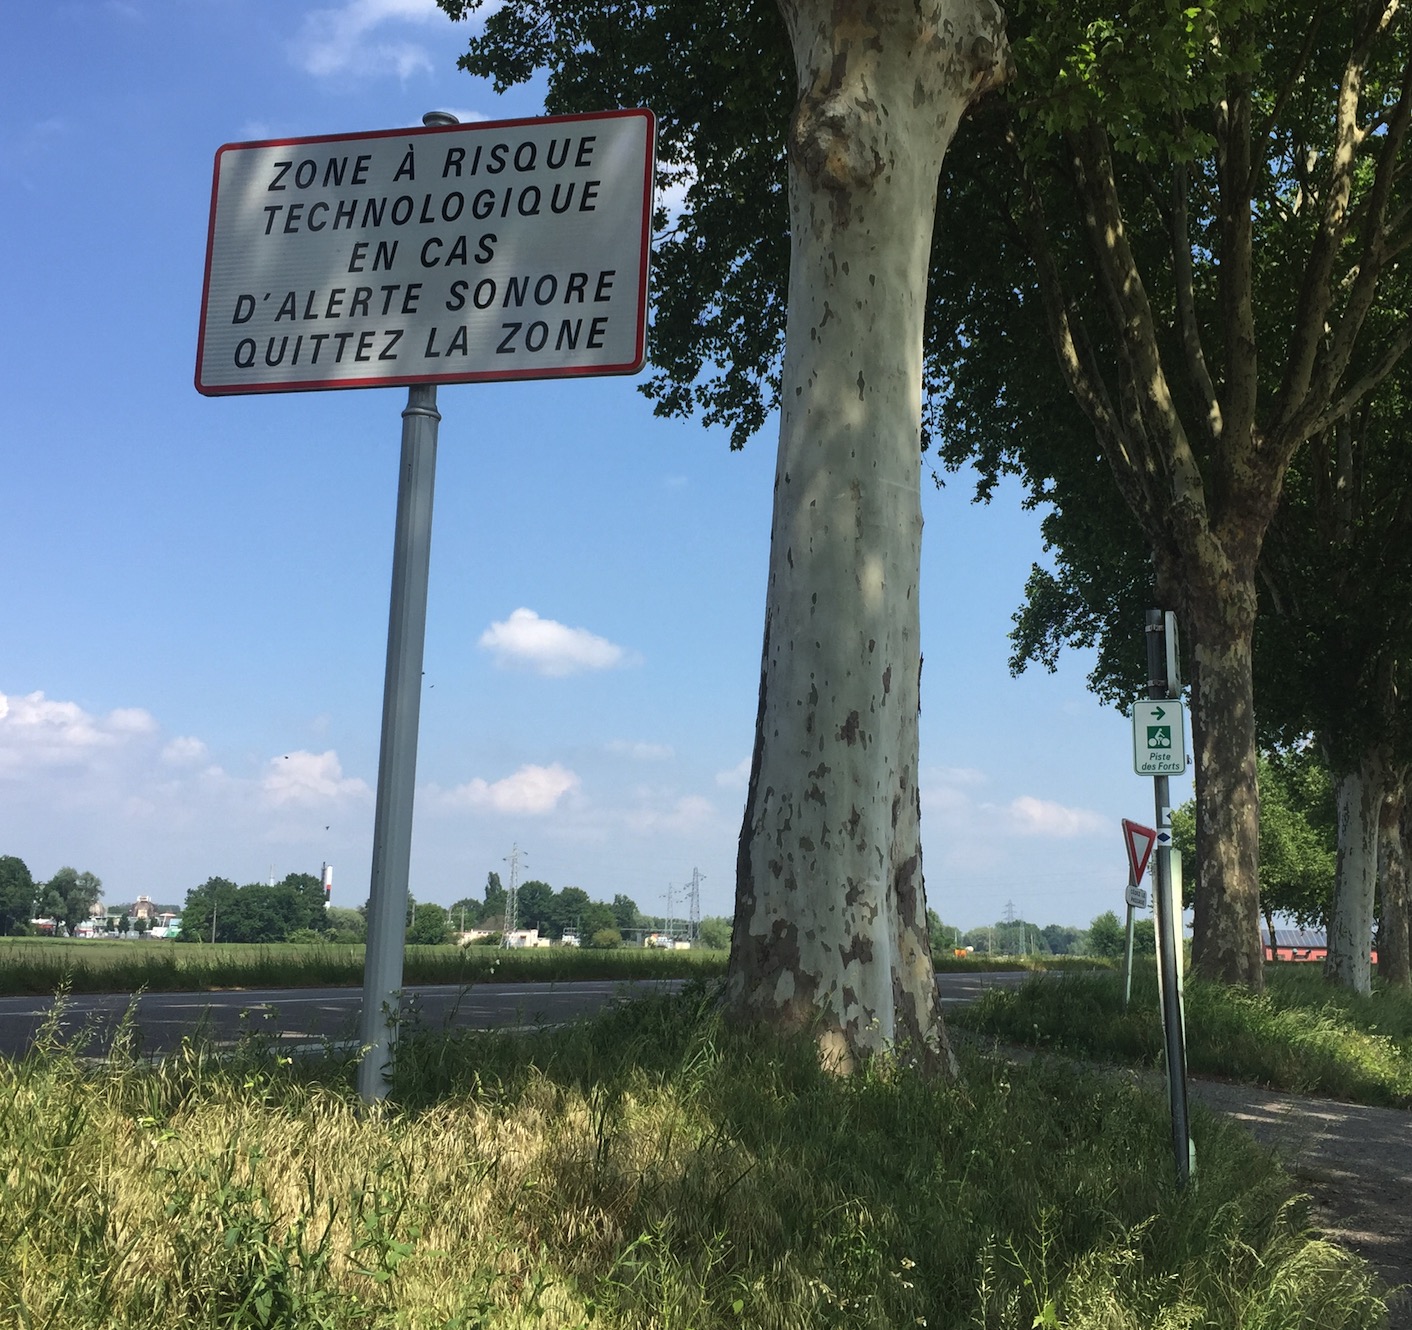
(401, 715)
(1128, 959)
(1173, 1033)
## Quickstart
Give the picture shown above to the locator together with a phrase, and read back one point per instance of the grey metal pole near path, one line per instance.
(401, 716)
(1168, 923)
(1128, 957)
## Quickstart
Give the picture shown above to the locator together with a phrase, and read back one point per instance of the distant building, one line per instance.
(525, 937)
(1298, 944)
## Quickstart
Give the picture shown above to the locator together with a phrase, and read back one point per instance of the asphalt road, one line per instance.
(299, 1016)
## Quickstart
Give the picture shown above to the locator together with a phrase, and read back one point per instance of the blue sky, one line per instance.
(194, 591)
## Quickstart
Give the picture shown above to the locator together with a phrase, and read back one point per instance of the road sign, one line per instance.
(1136, 897)
(1159, 738)
(1138, 841)
(514, 249)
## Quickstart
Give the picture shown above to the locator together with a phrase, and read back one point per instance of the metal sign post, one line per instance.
(397, 760)
(1155, 739)
(451, 253)
(1138, 841)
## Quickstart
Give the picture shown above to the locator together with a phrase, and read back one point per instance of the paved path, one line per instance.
(1355, 1163)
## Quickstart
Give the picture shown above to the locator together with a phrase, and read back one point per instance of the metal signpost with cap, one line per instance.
(445, 254)
(1159, 751)
(1138, 841)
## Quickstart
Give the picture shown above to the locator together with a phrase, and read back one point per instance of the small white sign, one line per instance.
(443, 254)
(1159, 738)
(1136, 897)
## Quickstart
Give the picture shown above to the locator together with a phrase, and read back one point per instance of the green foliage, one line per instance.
(72, 894)
(534, 905)
(604, 939)
(346, 925)
(714, 933)
(723, 92)
(430, 926)
(1060, 939)
(1335, 644)
(1106, 936)
(1299, 1035)
(258, 912)
(1298, 836)
(17, 893)
(626, 915)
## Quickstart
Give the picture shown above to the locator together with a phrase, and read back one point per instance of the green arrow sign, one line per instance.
(1159, 738)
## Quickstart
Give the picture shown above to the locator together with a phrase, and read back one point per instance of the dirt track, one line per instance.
(1355, 1163)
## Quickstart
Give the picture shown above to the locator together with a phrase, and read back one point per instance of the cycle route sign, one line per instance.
(1159, 738)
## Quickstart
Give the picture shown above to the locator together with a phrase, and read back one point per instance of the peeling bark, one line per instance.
(1360, 796)
(1225, 942)
(1394, 953)
(830, 930)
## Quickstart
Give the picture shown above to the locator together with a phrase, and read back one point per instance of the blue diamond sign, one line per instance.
(1159, 738)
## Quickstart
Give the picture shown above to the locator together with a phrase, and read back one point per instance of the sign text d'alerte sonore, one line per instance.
(438, 255)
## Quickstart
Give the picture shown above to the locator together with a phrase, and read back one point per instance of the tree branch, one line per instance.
(1384, 366)
(1198, 374)
(1265, 132)
(1316, 290)
(1167, 472)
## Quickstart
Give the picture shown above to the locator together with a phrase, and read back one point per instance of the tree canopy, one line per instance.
(17, 893)
(1166, 259)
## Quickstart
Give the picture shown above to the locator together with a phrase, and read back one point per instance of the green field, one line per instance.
(111, 965)
(42, 965)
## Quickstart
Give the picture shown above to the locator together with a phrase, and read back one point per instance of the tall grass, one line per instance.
(97, 966)
(652, 1170)
(1301, 1034)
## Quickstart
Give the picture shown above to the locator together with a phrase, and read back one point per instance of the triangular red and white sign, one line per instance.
(1139, 841)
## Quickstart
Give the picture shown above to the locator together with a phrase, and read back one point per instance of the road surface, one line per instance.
(301, 1016)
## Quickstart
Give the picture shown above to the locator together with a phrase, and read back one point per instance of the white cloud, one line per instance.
(353, 39)
(1044, 817)
(131, 720)
(36, 731)
(531, 790)
(304, 779)
(687, 815)
(185, 750)
(641, 752)
(737, 778)
(549, 648)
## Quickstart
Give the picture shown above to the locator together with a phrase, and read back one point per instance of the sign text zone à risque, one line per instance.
(448, 254)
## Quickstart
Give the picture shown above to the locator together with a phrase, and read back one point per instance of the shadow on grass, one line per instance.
(652, 1167)
(717, 1159)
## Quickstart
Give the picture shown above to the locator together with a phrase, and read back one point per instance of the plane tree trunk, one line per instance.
(830, 927)
(1360, 794)
(1394, 953)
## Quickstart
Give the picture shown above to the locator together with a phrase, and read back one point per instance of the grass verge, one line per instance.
(45, 966)
(1301, 1034)
(651, 1170)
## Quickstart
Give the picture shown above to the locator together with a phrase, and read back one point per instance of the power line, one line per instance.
(694, 903)
(513, 860)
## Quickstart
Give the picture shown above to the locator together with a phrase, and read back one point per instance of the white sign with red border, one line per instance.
(503, 250)
(1138, 841)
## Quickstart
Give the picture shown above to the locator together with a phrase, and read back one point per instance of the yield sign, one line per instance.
(1139, 841)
